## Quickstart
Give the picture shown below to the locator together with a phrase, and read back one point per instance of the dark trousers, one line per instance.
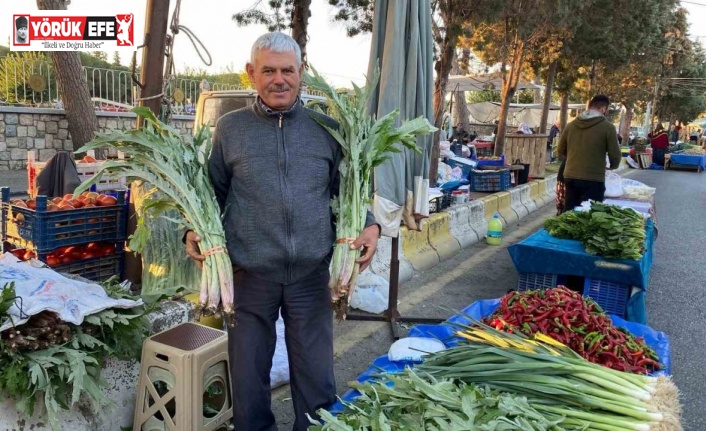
(578, 191)
(658, 155)
(306, 310)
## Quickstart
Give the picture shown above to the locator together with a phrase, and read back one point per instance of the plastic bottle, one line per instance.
(495, 231)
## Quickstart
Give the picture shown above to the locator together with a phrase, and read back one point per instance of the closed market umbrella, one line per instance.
(402, 46)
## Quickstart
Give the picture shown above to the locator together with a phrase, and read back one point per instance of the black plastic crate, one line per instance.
(42, 231)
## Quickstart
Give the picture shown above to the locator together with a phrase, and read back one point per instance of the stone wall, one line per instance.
(46, 131)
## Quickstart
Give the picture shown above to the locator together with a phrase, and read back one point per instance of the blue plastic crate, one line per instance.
(43, 231)
(465, 167)
(98, 269)
(612, 297)
(500, 162)
(489, 181)
(535, 280)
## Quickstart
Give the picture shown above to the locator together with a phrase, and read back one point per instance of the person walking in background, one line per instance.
(659, 142)
(584, 145)
(553, 132)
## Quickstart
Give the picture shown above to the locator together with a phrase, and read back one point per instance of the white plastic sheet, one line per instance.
(42, 289)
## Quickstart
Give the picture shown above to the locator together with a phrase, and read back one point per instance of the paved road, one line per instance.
(676, 300)
(675, 305)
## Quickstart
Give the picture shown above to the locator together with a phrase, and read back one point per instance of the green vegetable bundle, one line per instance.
(365, 143)
(177, 169)
(414, 401)
(557, 381)
(61, 374)
(606, 230)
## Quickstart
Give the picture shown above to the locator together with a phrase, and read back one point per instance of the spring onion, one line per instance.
(177, 168)
(556, 380)
(365, 142)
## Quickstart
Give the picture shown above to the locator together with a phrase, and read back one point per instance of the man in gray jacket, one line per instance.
(274, 170)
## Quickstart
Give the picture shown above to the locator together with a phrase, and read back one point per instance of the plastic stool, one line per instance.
(184, 381)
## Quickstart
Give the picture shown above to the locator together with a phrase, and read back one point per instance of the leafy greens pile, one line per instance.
(606, 230)
(419, 402)
(66, 369)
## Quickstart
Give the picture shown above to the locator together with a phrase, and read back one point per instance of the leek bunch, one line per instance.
(177, 169)
(365, 143)
(557, 381)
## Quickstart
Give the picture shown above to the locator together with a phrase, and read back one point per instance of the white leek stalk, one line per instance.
(365, 143)
(177, 168)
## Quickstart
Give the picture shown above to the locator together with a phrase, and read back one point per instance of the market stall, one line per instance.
(687, 161)
(433, 384)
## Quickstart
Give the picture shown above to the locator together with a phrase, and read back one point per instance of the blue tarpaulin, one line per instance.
(689, 159)
(658, 341)
(543, 253)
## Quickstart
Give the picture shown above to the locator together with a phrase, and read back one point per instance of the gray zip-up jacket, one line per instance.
(274, 174)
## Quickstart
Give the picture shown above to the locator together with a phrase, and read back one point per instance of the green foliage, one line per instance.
(525, 96)
(357, 15)
(15, 71)
(275, 14)
(61, 375)
(605, 230)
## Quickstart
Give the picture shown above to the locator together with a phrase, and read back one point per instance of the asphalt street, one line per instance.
(675, 296)
(675, 303)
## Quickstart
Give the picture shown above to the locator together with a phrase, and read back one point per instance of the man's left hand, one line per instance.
(368, 239)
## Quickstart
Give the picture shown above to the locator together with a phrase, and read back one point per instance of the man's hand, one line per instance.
(368, 239)
(192, 248)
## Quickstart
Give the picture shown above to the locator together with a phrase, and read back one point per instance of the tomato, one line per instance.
(31, 204)
(57, 200)
(65, 260)
(108, 249)
(64, 205)
(18, 253)
(106, 201)
(76, 203)
(88, 255)
(61, 250)
(68, 196)
(88, 159)
(19, 203)
(28, 255)
(52, 207)
(52, 260)
(93, 246)
(92, 195)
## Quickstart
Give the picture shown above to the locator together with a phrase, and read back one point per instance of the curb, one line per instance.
(443, 235)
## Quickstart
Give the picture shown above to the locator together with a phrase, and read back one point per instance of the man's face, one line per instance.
(22, 32)
(276, 78)
(459, 125)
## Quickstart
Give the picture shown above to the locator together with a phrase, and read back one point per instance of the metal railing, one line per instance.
(32, 82)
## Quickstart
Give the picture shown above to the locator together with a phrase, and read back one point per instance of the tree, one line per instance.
(680, 95)
(101, 55)
(116, 58)
(278, 15)
(357, 15)
(79, 109)
(522, 27)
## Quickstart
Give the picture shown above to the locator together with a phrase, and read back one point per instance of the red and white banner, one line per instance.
(61, 30)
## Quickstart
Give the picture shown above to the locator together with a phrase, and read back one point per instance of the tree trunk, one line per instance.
(300, 23)
(564, 113)
(443, 68)
(592, 80)
(80, 113)
(460, 114)
(625, 130)
(536, 93)
(551, 73)
(509, 88)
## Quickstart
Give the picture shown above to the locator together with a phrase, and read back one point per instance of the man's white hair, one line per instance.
(276, 42)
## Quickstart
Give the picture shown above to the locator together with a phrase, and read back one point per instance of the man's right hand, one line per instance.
(192, 248)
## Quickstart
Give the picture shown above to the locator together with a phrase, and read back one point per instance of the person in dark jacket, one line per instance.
(659, 143)
(274, 169)
(584, 145)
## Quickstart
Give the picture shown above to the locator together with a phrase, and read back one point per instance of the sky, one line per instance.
(340, 58)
